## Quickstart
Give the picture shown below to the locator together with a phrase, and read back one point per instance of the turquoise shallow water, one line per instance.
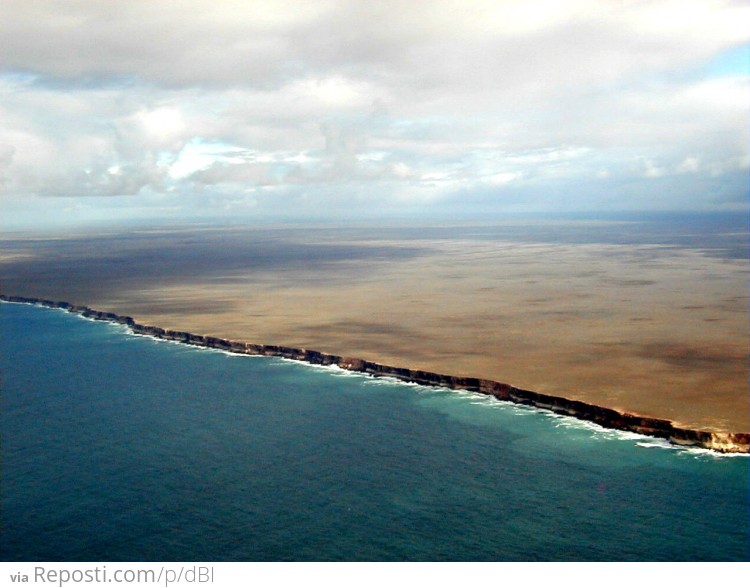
(117, 447)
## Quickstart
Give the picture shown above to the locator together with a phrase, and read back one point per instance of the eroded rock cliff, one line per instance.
(718, 441)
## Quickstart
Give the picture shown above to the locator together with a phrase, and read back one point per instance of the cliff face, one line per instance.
(606, 417)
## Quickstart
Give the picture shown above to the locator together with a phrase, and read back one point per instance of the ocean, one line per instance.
(118, 447)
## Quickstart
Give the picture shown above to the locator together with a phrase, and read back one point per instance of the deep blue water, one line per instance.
(117, 447)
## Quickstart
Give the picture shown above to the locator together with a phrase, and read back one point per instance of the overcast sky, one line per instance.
(332, 109)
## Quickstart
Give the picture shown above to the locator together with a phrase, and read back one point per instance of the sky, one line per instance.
(332, 110)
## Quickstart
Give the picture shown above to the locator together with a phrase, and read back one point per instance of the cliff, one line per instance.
(606, 417)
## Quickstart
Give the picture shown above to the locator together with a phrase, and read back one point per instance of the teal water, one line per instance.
(117, 447)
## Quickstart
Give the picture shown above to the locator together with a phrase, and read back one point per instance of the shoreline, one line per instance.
(738, 442)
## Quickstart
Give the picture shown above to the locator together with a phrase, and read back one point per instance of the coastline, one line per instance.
(723, 442)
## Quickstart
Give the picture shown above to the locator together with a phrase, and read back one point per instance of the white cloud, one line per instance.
(689, 165)
(651, 170)
(195, 101)
(502, 178)
(162, 125)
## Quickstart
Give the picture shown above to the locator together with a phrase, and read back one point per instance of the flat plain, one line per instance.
(646, 316)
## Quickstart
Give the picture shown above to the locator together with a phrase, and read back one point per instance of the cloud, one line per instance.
(6, 158)
(180, 103)
(455, 49)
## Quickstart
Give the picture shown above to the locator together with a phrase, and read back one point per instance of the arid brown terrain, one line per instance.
(591, 311)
